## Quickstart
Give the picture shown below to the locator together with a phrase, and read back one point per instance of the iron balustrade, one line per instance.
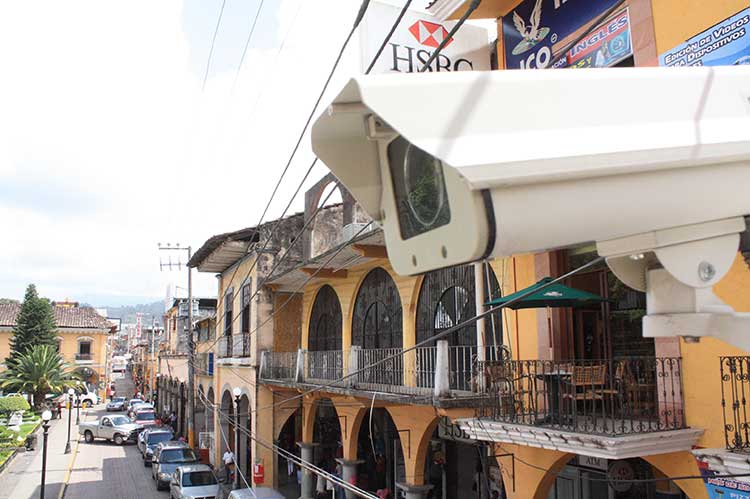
(84, 356)
(383, 374)
(608, 397)
(324, 365)
(280, 366)
(735, 390)
(225, 347)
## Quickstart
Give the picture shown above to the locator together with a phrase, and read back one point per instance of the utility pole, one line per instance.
(152, 370)
(190, 342)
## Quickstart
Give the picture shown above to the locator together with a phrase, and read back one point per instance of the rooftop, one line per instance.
(65, 317)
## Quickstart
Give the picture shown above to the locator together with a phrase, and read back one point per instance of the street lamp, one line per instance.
(237, 392)
(78, 409)
(70, 415)
(46, 416)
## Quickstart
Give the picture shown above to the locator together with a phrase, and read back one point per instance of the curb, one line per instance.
(74, 453)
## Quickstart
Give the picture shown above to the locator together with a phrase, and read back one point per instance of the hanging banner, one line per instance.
(607, 45)
(535, 30)
(724, 488)
(416, 38)
(724, 44)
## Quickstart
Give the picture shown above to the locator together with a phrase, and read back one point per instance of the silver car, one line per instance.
(167, 457)
(118, 429)
(193, 481)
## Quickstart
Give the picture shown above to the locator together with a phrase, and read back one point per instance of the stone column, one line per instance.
(349, 474)
(307, 453)
(414, 491)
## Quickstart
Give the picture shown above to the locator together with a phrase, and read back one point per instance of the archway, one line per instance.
(244, 454)
(288, 436)
(324, 335)
(377, 327)
(446, 299)
(379, 448)
(327, 434)
(210, 425)
(200, 412)
(226, 422)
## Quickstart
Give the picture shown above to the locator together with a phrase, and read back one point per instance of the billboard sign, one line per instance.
(724, 44)
(536, 30)
(607, 45)
(724, 488)
(415, 39)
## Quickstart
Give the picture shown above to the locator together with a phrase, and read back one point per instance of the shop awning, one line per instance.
(554, 296)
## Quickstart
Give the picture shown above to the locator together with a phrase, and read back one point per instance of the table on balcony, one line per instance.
(553, 380)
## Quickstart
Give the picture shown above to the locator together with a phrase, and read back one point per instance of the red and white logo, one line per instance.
(430, 34)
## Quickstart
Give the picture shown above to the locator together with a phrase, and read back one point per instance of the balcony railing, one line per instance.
(610, 397)
(235, 345)
(390, 370)
(84, 356)
(735, 392)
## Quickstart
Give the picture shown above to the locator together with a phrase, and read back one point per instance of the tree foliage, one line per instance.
(39, 371)
(35, 325)
(9, 405)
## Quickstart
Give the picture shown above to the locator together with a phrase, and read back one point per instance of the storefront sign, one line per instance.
(724, 488)
(414, 41)
(536, 29)
(725, 44)
(596, 463)
(449, 431)
(605, 46)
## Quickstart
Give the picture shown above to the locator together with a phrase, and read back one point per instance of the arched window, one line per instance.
(325, 321)
(377, 320)
(446, 299)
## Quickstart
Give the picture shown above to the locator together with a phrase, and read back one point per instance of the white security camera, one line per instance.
(463, 166)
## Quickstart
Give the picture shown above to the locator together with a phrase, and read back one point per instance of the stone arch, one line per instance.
(377, 314)
(226, 437)
(244, 421)
(200, 411)
(210, 408)
(415, 424)
(325, 324)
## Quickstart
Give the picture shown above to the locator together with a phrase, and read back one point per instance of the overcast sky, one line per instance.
(108, 145)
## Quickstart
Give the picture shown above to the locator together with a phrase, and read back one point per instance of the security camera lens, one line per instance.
(423, 179)
(419, 188)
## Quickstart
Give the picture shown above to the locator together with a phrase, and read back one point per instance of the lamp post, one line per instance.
(78, 409)
(237, 392)
(46, 416)
(70, 416)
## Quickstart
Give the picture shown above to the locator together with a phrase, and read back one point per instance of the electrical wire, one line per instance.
(445, 41)
(247, 42)
(213, 44)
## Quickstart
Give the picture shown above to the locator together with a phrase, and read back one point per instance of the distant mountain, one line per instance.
(128, 312)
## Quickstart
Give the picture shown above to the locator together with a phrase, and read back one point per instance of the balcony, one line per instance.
(84, 358)
(441, 372)
(236, 346)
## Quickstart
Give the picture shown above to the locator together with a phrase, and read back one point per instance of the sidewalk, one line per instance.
(22, 479)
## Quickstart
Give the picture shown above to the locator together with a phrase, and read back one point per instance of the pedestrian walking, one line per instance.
(228, 459)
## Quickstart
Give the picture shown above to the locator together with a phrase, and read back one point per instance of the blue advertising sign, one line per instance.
(724, 44)
(534, 30)
(724, 488)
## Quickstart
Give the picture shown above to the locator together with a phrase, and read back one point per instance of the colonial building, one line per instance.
(82, 338)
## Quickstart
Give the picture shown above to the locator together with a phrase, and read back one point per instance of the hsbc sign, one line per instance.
(416, 38)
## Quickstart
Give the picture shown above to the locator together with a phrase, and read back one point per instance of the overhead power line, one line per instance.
(213, 44)
(447, 39)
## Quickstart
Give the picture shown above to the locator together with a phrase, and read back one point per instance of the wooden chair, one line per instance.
(589, 384)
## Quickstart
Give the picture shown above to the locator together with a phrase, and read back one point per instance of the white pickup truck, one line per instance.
(118, 429)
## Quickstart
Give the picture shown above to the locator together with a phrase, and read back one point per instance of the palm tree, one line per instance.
(40, 371)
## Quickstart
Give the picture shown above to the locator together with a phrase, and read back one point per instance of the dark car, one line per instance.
(150, 440)
(168, 456)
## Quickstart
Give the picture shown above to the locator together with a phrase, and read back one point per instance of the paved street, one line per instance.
(101, 469)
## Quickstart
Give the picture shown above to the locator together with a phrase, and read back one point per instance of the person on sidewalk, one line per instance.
(228, 459)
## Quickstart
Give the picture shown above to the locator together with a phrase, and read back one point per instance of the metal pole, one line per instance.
(152, 370)
(70, 416)
(191, 359)
(45, 426)
(479, 293)
(78, 410)
(237, 443)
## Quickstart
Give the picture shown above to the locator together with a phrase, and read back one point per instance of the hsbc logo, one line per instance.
(429, 34)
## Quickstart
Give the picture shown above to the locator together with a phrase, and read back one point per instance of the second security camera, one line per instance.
(462, 166)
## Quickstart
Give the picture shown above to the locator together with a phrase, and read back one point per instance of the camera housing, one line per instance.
(462, 166)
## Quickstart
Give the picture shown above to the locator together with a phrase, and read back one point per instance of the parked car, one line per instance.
(118, 429)
(146, 418)
(167, 457)
(139, 406)
(131, 403)
(116, 404)
(256, 493)
(195, 480)
(151, 439)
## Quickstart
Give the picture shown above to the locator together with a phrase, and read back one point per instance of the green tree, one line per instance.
(35, 325)
(39, 371)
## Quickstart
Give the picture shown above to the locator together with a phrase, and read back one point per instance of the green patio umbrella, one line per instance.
(553, 296)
